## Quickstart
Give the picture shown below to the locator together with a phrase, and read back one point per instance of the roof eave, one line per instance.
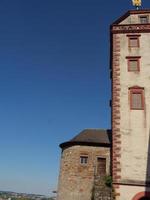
(73, 143)
(130, 12)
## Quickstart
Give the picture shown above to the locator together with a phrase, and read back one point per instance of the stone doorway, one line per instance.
(145, 198)
(101, 166)
(142, 196)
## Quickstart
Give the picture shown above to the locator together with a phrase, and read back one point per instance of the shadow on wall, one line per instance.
(145, 195)
(147, 191)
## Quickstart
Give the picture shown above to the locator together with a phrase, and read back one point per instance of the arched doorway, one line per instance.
(145, 198)
(142, 196)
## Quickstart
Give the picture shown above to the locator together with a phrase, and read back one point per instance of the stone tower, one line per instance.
(130, 64)
(85, 161)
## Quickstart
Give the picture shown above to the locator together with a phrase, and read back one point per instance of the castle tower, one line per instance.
(130, 64)
(85, 162)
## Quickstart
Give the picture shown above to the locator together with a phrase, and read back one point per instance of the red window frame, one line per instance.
(133, 37)
(133, 58)
(136, 90)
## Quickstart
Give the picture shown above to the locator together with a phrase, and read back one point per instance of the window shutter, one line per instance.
(133, 42)
(136, 100)
(133, 65)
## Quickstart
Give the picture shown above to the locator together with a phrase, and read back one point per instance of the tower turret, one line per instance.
(130, 63)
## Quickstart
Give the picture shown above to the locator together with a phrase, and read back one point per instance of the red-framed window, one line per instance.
(133, 41)
(136, 98)
(133, 63)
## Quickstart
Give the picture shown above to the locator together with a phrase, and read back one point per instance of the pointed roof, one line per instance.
(90, 137)
(128, 13)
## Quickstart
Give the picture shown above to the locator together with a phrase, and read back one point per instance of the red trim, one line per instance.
(130, 12)
(131, 28)
(137, 57)
(116, 136)
(143, 11)
(138, 90)
(133, 35)
(136, 87)
(141, 195)
(133, 58)
(130, 25)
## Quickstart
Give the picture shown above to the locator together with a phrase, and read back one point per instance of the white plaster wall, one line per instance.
(128, 192)
(135, 124)
(133, 19)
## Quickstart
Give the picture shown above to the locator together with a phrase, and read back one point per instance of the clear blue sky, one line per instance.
(54, 82)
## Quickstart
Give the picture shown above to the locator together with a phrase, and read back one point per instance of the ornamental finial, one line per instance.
(137, 3)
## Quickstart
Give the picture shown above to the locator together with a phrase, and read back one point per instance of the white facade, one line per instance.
(134, 124)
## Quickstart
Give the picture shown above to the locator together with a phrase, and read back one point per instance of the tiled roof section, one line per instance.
(91, 137)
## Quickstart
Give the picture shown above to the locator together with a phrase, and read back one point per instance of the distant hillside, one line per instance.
(7, 195)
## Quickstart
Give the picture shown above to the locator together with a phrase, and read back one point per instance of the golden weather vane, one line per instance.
(137, 3)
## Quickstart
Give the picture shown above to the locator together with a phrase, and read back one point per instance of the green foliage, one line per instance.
(108, 181)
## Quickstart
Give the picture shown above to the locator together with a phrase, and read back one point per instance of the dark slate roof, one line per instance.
(90, 137)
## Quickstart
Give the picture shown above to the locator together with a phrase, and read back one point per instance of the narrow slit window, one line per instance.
(137, 99)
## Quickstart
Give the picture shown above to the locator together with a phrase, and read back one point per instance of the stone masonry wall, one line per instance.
(76, 180)
(101, 191)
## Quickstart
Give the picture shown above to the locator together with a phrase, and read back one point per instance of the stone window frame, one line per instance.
(137, 90)
(133, 58)
(133, 37)
(143, 16)
(84, 157)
